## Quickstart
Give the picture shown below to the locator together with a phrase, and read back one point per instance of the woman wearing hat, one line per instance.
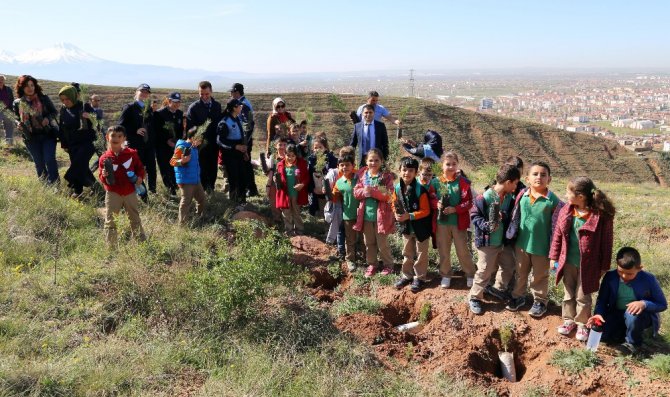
(37, 116)
(168, 128)
(278, 122)
(76, 137)
(230, 138)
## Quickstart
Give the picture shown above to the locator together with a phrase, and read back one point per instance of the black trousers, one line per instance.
(163, 155)
(79, 174)
(238, 169)
(148, 158)
(209, 156)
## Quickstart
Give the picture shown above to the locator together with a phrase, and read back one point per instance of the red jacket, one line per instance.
(463, 208)
(596, 237)
(385, 216)
(282, 200)
(127, 160)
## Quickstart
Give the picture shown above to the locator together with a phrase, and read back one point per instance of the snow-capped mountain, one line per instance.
(60, 53)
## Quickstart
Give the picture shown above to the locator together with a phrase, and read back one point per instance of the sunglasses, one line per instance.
(281, 106)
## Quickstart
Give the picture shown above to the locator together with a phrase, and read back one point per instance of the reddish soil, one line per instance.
(463, 345)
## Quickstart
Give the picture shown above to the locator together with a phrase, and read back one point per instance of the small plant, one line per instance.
(337, 103)
(321, 162)
(356, 304)
(574, 361)
(409, 351)
(335, 270)
(424, 313)
(506, 334)
(659, 364)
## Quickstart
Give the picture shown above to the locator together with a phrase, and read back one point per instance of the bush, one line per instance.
(356, 304)
(574, 361)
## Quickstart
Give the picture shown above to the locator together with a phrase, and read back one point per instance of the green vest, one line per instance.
(349, 202)
(535, 225)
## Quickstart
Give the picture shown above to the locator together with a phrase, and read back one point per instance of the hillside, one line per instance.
(479, 139)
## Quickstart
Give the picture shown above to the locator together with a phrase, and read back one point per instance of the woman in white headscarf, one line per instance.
(278, 122)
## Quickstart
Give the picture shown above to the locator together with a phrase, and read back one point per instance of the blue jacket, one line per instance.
(381, 139)
(479, 216)
(644, 285)
(188, 174)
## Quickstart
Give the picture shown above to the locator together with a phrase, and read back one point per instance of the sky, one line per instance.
(284, 36)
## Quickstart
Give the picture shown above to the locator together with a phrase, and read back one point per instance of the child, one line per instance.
(187, 173)
(317, 199)
(489, 233)
(454, 223)
(430, 149)
(374, 216)
(119, 190)
(270, 188)
(582, 246)
(629, 301)
(432, 186)
(412, 209)
(343, 192)
(535, 210)
(518, 163)
(292, 193)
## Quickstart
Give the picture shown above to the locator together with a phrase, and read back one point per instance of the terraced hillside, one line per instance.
(479, 139)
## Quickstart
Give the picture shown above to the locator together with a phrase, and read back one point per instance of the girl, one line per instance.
(453, 221)
(374, 215)
(326, 160)
(77, 136)
(582, 246)
(292, 192)
(37, 116)
(168, 129)
(270, 188)
(278, 122)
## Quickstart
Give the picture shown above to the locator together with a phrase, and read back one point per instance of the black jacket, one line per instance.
(72, 132)
(422, 227)
(198, 113)
(133, 117)
(168, 125)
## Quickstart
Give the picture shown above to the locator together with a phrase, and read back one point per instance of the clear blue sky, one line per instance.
(314, 36)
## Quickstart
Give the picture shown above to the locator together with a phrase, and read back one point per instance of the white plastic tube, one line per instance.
(507, 365)
(412, 327)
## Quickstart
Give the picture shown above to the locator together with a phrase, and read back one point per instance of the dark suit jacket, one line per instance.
(381, 139)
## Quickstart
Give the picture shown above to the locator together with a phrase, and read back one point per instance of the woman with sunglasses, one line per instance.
(278, 122)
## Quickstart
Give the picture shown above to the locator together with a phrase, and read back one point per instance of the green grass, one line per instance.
(351, 304)
(659, 364)
(574, 361)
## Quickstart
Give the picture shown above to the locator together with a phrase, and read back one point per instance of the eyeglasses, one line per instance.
(281, 106)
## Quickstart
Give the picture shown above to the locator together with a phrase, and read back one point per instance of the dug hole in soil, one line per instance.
(461, 345)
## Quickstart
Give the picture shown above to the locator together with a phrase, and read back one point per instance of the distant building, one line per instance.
(623, 123)
(642, 124)
(666, 146)
(486, 103)
(580, 119)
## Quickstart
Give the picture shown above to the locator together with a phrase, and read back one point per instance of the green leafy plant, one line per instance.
(337, 103)
(321, 161)
(574, 361)
(506, 335)
(308, 114)
(356, 304)
(424, 312)
(659, 364)
(409, 351)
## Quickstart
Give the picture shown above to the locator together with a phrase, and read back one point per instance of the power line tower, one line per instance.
(411, 82)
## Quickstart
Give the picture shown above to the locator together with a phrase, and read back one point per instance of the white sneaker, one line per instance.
(446, 282)
(471, 280)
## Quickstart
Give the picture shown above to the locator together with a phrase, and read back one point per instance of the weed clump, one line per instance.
(574, 361)
(659, 365)
(356, 304)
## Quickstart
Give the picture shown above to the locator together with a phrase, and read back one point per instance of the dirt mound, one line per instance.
(310, 252)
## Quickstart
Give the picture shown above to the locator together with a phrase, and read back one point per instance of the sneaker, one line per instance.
(470, 281)
(538, 309)
(416, 285)
(402, 282)
(386, 270)
(567, 327)
(475, 306)
(516, 304)
(582, 334)
(627, 349)
(370, 271)
(446, 282)
(496, 293)
(351, 266)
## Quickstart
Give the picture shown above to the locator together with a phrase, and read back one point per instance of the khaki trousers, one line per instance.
(487, 264)
(113, 204)
(292, 218)
(188, 193)
(414, 248)
(506, 266)
(445, 235)
(537, 266)
(576, 304)
(350, 238)
(374, 243)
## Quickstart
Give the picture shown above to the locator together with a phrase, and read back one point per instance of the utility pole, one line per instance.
(411, 82)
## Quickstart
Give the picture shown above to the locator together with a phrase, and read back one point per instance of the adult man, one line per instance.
(370, 133)
(137, 118)
(206, 108)
(100, 130)
(6, 99)
(380, 111)
(248, 124)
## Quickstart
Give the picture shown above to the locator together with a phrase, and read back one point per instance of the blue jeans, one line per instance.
(43, 151)
(623, 325)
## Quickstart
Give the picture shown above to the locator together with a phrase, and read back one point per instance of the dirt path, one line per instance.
(656, 170)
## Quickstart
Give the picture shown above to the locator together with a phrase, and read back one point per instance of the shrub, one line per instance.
(659, 364)
(356, 304)
(574, 361)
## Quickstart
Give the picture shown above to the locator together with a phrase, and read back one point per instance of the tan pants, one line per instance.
(292, 218)
(374, 243)
(576, 304)
(538, 266)
(188, 193)
(113, 204)
(414, 248)
(350, 238)
(506, 266)
(486, 268)
(445, 235)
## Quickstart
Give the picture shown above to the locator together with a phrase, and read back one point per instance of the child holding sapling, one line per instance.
(271, 186)
(343, 193)
(629, 301)
(582, 246)
(185, 161)
(374, 215)
(432, 186)
(319, 163)
(292, 192)
(333, 212)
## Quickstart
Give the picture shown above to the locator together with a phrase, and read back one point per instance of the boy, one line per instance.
(119, 190)
(343, 192)
(412, 209)
(490, 241)
(629, 301)
(535, 211)
(432, 186)
(187, 172)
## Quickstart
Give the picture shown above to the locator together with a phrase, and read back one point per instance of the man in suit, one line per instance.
(370, 133)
